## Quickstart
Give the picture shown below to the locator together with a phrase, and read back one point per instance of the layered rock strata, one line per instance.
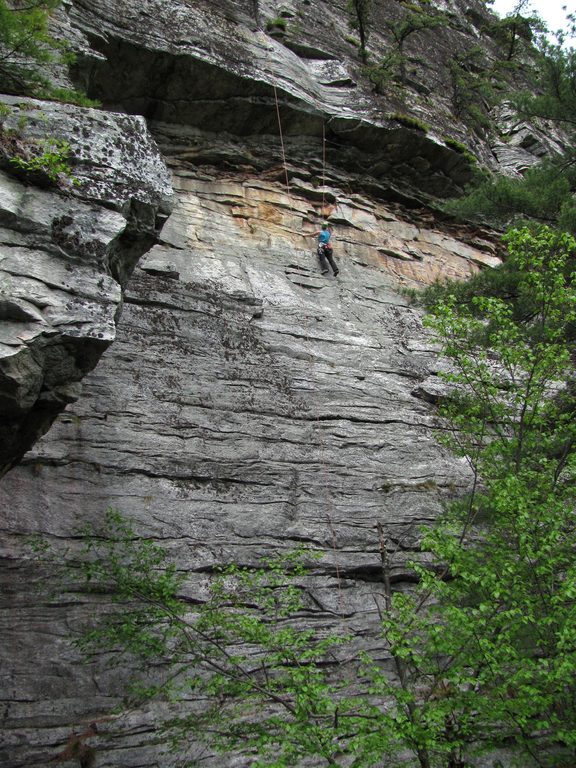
(248, 404)
(224, 63)
(67, 249)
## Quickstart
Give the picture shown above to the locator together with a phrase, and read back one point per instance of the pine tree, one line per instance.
(25, 44)
(359, 12)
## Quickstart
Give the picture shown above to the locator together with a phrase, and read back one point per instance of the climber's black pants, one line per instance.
(326, 253)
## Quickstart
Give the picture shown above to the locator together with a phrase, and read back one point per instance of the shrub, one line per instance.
(70, 96)
(41, 162)
(410, 122)
(457, 146)
(276, 25)
(540, 194)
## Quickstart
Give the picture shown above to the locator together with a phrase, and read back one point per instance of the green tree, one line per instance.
(242, 649)
(25, 44)
(554, 97)
(359, 14)
(516, 32)
(416, 16)
(473, 92)
(483, 650)
(480, 81)
(543, 194)
(508, 602)
(546, 191)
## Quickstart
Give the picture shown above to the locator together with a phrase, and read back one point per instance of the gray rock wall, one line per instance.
(211, 63)
(248, 404)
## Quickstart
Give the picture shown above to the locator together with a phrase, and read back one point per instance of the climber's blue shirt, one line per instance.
(324, 236)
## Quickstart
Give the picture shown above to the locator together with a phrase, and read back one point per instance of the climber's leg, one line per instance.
(329, 256)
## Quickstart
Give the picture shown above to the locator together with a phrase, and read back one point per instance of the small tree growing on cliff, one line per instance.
(473, 90)
(24, 42)
(255, 7)
(478, 84)
(27, 46)
(516, 32)
(359, 14)
(417, 16)
(544, 192)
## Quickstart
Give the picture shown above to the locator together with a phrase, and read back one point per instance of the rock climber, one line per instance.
(325, 249)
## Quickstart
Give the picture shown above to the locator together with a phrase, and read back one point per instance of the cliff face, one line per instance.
(65, 255)
(220, 64)
(248, 402)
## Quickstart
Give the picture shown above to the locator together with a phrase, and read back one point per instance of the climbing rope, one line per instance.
(281, 140)
(317, 422)
(323, 167)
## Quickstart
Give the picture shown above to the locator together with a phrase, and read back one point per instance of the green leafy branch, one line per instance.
(26, 48)
(48, 159)
(240, 647)
(25, 42)
(418, 16)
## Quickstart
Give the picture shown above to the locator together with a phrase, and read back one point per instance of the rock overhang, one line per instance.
(215, 73)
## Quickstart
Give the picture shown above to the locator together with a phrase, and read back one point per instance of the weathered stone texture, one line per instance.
(210, 63)
(65, 253)
(248, 404)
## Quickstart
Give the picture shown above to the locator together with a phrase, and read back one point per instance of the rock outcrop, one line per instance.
(66, 252)
(220, 62)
